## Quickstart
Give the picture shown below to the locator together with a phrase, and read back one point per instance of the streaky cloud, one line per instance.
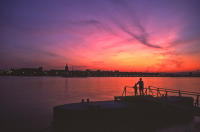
(142, 37)
(97, 23)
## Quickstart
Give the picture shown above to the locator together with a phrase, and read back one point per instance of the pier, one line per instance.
(155, 108)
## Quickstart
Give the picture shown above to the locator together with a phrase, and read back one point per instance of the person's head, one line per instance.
(140, 79)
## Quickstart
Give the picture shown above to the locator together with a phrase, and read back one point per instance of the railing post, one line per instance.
(125, 90)
(179, 92)
(149, 89)
(197, 101)
(157, 91)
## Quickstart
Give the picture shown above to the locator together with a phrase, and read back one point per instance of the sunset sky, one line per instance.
(124, 35)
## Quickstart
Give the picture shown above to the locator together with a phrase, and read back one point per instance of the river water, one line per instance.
(27, 102)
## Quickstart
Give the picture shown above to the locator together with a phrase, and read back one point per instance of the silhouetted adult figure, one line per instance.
(135, 88)
(141, 86)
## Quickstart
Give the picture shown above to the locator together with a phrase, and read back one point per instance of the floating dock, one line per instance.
(124, 113)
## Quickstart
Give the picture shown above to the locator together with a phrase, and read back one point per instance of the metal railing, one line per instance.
(156, 91)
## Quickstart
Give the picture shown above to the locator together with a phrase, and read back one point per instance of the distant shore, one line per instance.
(92, 73)
(85, 76)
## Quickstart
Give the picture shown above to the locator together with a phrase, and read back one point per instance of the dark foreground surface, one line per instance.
(130, 114)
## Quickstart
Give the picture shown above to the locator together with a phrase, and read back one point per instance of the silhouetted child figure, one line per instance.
(135, 88)
(141, 86)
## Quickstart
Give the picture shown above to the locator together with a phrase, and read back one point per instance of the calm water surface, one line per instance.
(27, 102)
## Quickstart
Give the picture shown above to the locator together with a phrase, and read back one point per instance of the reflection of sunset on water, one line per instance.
(102, 88)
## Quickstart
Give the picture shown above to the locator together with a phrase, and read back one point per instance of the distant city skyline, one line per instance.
(66, 72)
(77, 68)
(124, 35)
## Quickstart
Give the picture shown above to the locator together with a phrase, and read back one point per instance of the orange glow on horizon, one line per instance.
(111, 53)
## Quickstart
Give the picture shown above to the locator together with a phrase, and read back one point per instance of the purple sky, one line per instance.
(132, 35)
